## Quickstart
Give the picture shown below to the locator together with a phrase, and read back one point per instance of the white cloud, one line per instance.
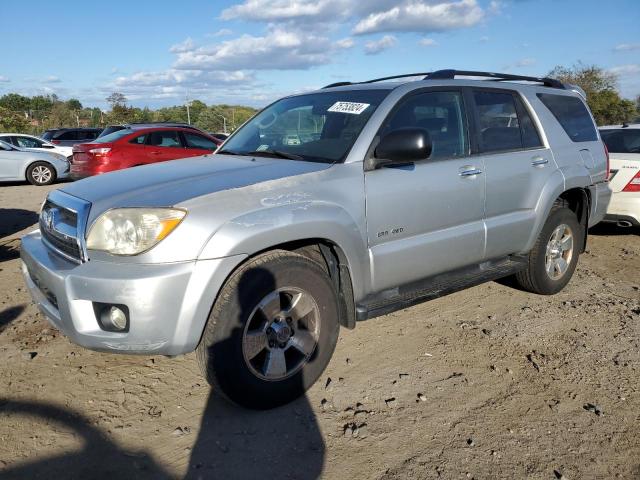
(626, 70)
(51, 79)
(378, 46)
(428, 42)
(627, 47)
(525, 62)
(422, 16)
(184, 46)
(223, 32)
(278, 49)
(345, 43)
(483, 39)
(283, 10)
(628, 79)
(4, 79)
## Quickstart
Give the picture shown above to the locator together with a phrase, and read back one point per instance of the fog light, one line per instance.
(113, 318)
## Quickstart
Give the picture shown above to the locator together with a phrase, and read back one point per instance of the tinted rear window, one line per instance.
(572, 114)
(70, 135)
(622, 140)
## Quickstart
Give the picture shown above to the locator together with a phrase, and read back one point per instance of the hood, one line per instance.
(170, 183)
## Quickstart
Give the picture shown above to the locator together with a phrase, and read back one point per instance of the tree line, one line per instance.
(19, 113)
(35, 114)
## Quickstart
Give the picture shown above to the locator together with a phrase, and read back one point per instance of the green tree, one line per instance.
(13, 122)
(601, 88)
(74, 104)
(116, 98)
(15, 102)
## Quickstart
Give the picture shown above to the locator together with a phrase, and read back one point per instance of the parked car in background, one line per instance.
(413, 190)
(134, 146)
(36, 167)
(31, 142)
(220, 136)
(623, 143)
(68, 137)
(114, 128)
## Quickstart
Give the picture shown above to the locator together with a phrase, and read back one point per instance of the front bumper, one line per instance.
(624, 206)
(168, 303)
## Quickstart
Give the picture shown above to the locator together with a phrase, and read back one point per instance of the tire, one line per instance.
(270, 283)
(536, 278)
(41, 173)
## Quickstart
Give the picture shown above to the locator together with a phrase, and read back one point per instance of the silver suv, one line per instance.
(396, 193)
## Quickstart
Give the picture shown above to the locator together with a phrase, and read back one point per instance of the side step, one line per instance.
(404, 296)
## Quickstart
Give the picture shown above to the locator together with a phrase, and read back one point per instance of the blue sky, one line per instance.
(253, 51)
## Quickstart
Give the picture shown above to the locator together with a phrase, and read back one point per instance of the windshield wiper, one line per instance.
(230, 152)
(276, 153)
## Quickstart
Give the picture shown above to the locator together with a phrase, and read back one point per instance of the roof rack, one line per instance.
(499, 77)
(381, 79)
(452, 74)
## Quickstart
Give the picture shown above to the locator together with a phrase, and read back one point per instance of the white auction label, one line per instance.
(348, 107)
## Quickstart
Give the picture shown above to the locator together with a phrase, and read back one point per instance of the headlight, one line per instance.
(130, 231)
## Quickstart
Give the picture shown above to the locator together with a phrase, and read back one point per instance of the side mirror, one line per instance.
(402, 146)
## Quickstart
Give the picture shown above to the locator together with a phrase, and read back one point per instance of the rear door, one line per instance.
(165, 145)
(427, 217)
(517, 166)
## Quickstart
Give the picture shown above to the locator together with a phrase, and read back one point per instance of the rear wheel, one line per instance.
(271, 332)
(41, 173)
(554, 257)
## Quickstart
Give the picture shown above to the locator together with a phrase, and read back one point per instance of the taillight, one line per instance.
(606, 152)
(100, 151)
(57, 142)
(633, 185)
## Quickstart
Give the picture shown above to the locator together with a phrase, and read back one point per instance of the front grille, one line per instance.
(62, 224)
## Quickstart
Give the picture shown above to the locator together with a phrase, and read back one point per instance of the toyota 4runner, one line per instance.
(397, 192)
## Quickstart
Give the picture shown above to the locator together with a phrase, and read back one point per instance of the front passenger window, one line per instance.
(441, 114)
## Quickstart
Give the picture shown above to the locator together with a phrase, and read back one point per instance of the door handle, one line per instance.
(469, 171)
(539, 161)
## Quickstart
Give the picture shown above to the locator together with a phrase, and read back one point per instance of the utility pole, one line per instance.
(188, 103)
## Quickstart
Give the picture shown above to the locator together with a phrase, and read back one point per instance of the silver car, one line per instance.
(397, 193)
(37, 167)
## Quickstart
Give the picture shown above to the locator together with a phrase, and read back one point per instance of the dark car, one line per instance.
(219, 136)
(68, 137)
(115, 128)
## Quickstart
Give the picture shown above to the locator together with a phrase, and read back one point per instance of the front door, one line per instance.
(426, 218)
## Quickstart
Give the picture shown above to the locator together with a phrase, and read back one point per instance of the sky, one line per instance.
(252, 52)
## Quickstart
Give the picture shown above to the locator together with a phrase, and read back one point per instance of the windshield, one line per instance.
(112, 137)
(622, 140)
(319, 127)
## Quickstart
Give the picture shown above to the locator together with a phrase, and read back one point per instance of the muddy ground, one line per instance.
(488, 383)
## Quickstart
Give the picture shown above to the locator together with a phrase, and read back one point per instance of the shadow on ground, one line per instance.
(99, 457)
(8, 315)
(607, 228)
(13, 220)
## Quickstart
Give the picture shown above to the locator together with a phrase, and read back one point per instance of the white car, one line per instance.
(623, 143)
(30, 142)
(37, 167)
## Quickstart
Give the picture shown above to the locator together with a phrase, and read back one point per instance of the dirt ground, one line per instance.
(487, 383)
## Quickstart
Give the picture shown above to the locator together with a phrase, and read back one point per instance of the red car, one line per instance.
(132, 147)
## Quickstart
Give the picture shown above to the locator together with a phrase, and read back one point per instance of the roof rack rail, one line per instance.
(381, 79)
(499, 77)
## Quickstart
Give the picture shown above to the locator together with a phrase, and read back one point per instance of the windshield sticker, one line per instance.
(262, 148)
(348, 107)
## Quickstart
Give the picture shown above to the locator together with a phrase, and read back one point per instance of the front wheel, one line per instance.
(41, 173)
(271, 332)
(554, 257)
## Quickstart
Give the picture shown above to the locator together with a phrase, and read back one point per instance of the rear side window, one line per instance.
(498, 121)
(572, 114)
(199, 142)
(621, 140)
(165, 138)
(70, 135)
(530, 136)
